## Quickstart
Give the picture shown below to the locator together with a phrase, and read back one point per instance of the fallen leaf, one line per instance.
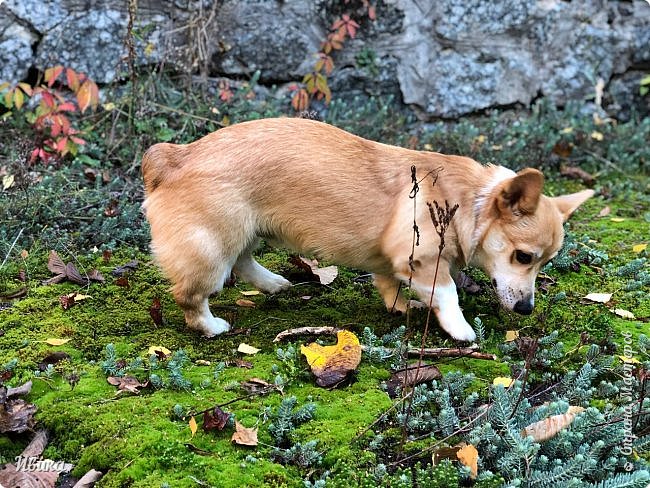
(257, 385)
(502, 380)
(617, 219)
(127, 383)
(246, 349)
(562, 149)
(56, 342)
(160, 351)
(155, 311)
(216, 419)
(89, 479)
(443, 453)
(16, 415)
(7, 181)
(468, 456)
(598, 136)
(599, 297)
(332, 364)
(577, 173)
(244, 436)
(19, 293)
(548, 428)
(202, 362)
(605, 211)
(122, 281)
(240, 363)
(468, 284)
(125, 268)
(324, 275)
(567, 130)
(638, 248)
(511, 335)
(193, 426)
(245, 303)
(410, 376)
(55, 264)
(67, 301)
(629, 360)
(626, 314)
(250, 293)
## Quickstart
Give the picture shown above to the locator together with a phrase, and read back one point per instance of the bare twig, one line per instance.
(13, 244)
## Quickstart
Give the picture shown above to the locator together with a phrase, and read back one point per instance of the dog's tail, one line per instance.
(158, 162)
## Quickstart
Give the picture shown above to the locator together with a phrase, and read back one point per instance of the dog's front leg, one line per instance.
(444, 302)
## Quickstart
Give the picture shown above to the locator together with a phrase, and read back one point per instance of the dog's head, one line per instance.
(524, 231)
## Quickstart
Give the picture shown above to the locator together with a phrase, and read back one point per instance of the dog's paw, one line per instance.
(417, 304)
(463, 333)
(274, 284)
(213, 327)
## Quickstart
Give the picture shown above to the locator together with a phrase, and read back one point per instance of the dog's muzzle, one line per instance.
(524, 307)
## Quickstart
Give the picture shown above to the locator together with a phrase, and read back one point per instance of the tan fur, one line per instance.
(319, 190)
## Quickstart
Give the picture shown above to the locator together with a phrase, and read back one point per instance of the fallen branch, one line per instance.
(436, 352)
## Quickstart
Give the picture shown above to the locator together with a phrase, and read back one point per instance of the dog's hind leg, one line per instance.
(197, 267)
(249, 270)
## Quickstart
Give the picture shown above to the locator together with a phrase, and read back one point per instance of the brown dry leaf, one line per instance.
(242, 302)
(410, 376)
(605, 211)
(127, 383)
(443, 453)
(95, 275)
(216, 419)
(125, 268)
(548, 428)
(256, 385)
(324, 275)
(244, 436)
(155, 311)
(468, 455)
(332, 364)
(562, 149)
(576, 173)
(16, 415)
(55, 264)
(466, 283)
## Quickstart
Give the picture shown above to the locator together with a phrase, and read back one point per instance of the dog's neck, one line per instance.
(480, 218)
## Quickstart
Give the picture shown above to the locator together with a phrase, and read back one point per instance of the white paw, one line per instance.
(461, 332)
(213, 326)
(417, 304)
(274, 284)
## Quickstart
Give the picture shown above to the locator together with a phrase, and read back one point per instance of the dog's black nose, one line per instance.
(524, 307)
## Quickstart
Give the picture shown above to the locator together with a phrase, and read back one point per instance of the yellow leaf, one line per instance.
(599, 297)
(246, 349)
(108, 106)
(77, 297)
(332, 364)
(56, 342)
(626, 314)
(428, 147)
(551, 426)
(597, 135)
(629, 360)
(7, 181)
(193, 425)
(567, 130)
(639, 248)
(152, 350)
(250, 293)
(468, 456)
(511, 335)
(84, 95)
(502, 380)
(617, 219)
(19, 98)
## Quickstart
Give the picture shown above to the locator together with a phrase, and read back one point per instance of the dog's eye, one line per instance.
(523, 257)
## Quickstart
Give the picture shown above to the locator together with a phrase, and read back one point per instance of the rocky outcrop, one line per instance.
(444, 58)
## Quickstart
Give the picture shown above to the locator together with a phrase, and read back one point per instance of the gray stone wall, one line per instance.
(444, 58)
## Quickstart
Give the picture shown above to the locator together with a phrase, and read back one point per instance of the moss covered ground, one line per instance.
(138, 441)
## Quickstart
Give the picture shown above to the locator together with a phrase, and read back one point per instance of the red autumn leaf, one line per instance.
(324, 62)
(216, 419)
(61, 145)
(155, 311)
(77, 140)
(67, 107)
(48, 99)
(372, 12)
(51, 74)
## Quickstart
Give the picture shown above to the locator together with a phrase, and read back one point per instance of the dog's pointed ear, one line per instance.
(567, 204)
(520, 195)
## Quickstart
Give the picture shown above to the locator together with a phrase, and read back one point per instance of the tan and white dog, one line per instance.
(323, 191)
